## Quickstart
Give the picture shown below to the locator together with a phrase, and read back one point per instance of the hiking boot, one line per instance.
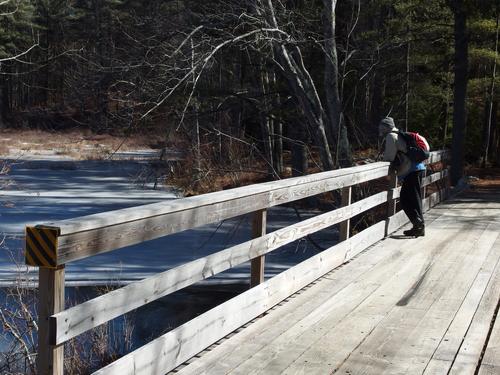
(416, 231)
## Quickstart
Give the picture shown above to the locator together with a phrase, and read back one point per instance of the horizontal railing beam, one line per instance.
(51, 245)
(438, 156)
(80, 318)
(115, 217)
(94, 234)
(172, 349)
(182, 215)
(434, 177)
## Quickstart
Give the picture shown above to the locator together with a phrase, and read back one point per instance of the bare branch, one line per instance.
(201, 67)
(19, 55)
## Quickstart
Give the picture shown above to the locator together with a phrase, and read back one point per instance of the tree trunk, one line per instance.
(490, 106)
(304, 90)
(4, 106)
(299, 150)
(407, 93)
(278, 147)
(495, 147)
(459, 91)
(447, 109)
(266, 123)
(299, 159)
(336, 130)
(278, 133)
(377, 100)
(101, 77)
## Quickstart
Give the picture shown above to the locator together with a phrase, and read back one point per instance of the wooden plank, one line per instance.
(93, 234)
(304, 310)
(316, 305)
(336, 345)
(277, 356)
(438, 156)
(491, 360)
(452, 340)
(441, 304)
(174, 217)
(471, 278)
(433, 199)
(373, 233)
(90, 314)
(467, 358)
(258, 230)
(489, 370)
(50, 359)
(338, 349)
(173, 348)
(308, 183)
(434, 177)
(391, 199)
(448, 183)
(396, 192)
(392, 184)
(423, 184)
(345, 225)
(282, 354)
(396, 221)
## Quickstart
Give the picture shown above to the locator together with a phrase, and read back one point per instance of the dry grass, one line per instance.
(75, 144)
(484, 179)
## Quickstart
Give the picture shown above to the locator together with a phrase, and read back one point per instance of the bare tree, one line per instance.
(331, 78)
(460, 89)
(259, 28)
(292, 67)
(487, 140)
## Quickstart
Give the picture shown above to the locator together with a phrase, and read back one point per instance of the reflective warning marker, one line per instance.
(41, 247)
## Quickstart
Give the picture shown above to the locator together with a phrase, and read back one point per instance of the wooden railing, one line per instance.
(57, 243)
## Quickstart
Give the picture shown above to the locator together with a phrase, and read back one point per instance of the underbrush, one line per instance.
(19, 333)
(213, 168)
(74, 143)
(19, 326)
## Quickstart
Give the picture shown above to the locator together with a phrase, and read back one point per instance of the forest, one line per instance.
(241, 91)
(282, 85)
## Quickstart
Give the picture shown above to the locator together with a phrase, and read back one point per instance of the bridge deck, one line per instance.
(411, 306)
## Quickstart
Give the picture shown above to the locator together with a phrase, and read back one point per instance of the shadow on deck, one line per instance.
(403, 306)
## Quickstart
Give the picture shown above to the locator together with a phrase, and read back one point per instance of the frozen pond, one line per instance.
(53, 188)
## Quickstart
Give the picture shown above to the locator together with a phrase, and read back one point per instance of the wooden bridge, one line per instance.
(375, 303)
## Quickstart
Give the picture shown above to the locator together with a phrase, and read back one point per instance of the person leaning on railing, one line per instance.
(410, 173)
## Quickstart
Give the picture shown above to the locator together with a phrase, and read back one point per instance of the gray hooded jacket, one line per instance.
(393, 144)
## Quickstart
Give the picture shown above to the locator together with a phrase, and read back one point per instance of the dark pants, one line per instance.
(411, 197)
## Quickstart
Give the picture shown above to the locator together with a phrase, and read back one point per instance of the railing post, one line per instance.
(345, 201)
(391, 201)
(257, 265)
(424, 189)
(50, 359)
(447, 180)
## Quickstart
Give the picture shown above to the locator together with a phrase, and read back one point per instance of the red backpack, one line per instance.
(417, 147)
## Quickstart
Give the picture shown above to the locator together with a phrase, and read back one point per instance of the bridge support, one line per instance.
(391, 200)
(50, 359)
(258, 230)
(345, 225)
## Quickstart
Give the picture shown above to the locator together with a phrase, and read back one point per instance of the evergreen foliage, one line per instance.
(111, 65)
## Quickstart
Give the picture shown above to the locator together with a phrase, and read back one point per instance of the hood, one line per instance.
(386, 126)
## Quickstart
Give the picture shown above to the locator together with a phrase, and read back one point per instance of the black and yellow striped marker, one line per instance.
(41, 246)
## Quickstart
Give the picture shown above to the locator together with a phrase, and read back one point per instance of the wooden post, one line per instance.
(50, 359)
(258, 229)
(424, 189)
(345, 225)
(391, 202)
(393, 184)
(447, 180)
